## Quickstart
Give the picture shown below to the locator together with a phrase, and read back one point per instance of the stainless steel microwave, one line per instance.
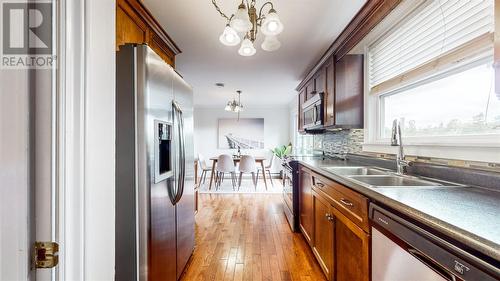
(312, 111)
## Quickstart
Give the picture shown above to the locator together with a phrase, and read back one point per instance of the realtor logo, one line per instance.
(27, 35)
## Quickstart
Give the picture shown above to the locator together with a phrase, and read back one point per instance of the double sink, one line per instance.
(380, 178)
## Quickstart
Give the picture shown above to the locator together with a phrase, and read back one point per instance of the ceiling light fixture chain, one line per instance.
(261, 17)
(246, 23)
(220, 11)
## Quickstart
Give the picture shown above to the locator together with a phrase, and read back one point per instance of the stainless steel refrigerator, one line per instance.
(154, 167)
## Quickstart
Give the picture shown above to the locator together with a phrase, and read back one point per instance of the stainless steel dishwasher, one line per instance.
(403, 251)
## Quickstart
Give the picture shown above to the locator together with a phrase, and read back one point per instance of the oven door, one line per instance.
(288, 197)
(288, 189)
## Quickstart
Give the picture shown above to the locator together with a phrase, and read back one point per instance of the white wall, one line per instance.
(276, 130)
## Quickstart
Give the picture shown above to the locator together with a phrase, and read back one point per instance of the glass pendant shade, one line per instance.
(272, 25)
(241, 21)
(234, 106)
(247, 49)
(271, 43)
(228, 106)
(229, 37)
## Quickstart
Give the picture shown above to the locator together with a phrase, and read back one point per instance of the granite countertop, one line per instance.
(467, 214)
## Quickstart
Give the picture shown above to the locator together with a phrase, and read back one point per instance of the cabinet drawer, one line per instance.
(352, 204)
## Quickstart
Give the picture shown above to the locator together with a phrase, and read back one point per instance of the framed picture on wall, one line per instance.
(245, 133)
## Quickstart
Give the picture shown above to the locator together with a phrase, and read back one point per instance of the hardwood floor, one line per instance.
(246, 237)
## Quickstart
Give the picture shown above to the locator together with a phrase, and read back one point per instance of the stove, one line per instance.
(290, 191)
(291, 188)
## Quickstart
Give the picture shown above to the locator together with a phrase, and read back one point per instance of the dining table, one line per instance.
(258, 160)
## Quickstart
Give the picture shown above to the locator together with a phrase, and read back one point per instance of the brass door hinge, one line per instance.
(45, 254)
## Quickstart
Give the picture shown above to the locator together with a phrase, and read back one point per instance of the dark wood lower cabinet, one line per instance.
(324, 235)
(352, 248)
(340, 245)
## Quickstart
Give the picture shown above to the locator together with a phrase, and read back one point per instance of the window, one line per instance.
(302, 144)
(430, 64)
(462, 103)
(434, 29)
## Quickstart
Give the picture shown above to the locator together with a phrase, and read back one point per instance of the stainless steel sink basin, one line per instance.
(353, 171)
(394, 181)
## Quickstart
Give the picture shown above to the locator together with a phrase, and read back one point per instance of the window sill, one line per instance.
(481, 153)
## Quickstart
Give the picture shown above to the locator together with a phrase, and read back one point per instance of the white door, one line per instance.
(15, 176)
(28, 137)
(57, 143)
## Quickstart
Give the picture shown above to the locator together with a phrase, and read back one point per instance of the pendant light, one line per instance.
(247, 22)
(235, 106)
(229, 37)
(241, 20)
(271, 43)
(247, 49)
(271, 25)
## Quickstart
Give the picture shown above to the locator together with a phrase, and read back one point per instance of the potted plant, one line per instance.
(282, 151)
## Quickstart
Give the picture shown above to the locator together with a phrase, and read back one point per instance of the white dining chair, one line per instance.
(202, 162)
(225, 164)
(247, 165)
(267, 169)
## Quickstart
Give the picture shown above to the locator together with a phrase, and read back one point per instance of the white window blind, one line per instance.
(435, 28)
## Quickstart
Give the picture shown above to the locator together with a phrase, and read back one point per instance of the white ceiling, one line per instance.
(267, 79)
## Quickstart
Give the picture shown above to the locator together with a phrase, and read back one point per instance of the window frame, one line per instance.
(480, 147)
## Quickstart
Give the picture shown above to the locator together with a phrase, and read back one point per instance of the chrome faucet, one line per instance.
(396, 140)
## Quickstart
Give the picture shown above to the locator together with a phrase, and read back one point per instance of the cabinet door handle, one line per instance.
(320, 184)
(329, 217)
(346, 202)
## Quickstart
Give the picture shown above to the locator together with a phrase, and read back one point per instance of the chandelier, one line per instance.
(247, 23)
(235, 106)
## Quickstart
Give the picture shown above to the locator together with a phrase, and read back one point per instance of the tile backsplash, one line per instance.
(351, 141)
(340, 142)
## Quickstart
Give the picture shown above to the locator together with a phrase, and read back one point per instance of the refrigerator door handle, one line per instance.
(173, 190)
(182, 153)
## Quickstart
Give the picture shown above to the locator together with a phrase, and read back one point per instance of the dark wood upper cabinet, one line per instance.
(309, 88)
(319, 81)
(306, 216)
(302, 99)
(329, 71)
(372, 13)
(135, 24)
(349, 90)
(316, 85)
(342, 83)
